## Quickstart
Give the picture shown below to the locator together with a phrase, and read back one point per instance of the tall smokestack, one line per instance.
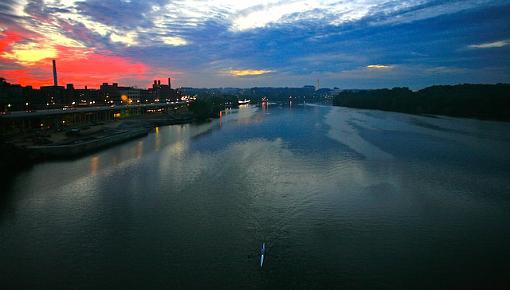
(169, 83)
(55, 80)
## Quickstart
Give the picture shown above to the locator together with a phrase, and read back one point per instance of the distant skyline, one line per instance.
(219, 43)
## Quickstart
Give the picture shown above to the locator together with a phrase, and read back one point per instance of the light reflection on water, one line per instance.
(158, 139)
(139, 149)
(343, 198)
(94, 161)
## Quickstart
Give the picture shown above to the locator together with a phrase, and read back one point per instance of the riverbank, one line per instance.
(22, 150)
(86, 144)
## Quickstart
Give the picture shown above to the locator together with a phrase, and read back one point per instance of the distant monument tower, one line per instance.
(55, 80)
(169, 83)
(318, 85)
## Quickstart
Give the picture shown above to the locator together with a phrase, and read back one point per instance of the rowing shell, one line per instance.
(262, 253)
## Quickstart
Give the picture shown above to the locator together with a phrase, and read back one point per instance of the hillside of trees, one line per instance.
(491, 102)
(209, 107)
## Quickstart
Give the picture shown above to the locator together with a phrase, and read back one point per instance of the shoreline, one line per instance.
(25, 150)
(429, 115)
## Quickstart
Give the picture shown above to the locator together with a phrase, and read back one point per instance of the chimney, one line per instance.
(169, 83)
(55, 80)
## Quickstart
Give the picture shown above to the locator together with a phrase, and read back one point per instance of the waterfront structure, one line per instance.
(22, 121)
(18, 98)
(130, 95)
(162, 92)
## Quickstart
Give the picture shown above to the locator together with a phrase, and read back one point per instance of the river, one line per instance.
(343, 199)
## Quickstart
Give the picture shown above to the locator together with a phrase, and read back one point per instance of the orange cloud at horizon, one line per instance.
(29, 63)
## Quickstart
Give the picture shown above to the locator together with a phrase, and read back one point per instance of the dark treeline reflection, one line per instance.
(467, 100)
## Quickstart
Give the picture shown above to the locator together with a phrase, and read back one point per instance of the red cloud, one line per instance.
(7, 39)
(80, 66)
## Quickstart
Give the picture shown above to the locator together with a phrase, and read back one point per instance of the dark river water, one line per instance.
(343, 199)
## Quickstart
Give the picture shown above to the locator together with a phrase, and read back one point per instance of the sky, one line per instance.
(220, 43)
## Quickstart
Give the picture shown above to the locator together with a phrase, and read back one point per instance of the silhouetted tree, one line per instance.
(466, 100)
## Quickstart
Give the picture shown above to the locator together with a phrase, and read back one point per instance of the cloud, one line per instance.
(13, 7)
(411, 11)
(174, 40)
(263, 15)
(445, 70)
(129, 38)
(333, 12)
(30, 53)
(333, 57)
(495, 44)
(154, 18)
(379, 66)
(249, 72)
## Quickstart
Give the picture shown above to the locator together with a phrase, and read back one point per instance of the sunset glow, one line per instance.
(78, 65)
(235, 43)
(29, 53)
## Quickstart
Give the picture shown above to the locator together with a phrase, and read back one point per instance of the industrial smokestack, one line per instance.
(55, 80)
(169, 83)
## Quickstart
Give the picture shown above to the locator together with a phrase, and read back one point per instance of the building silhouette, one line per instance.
(16, 97)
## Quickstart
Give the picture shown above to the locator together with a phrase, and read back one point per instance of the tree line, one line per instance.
(480, 101)
(206, 107)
